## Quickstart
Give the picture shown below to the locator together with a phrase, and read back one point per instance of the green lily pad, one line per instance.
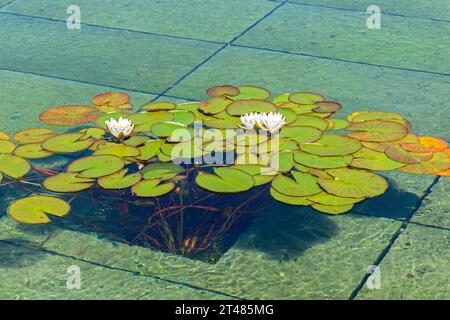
(283, 98)
(381, 146)
(282, 161)
(332, 209)
(184, 117)
(241, 107)
(397, 153)
(32, 151)
(143, 122)
(261, 174)
(96, 166)
(332, 200)
(301, 134)
(13, 166)
(32, 135)
(389, 116)
(118, 150)
(332, 145)
(67, 143)
(222, 91)
(295, 201)
(136, 141)
(289, 115)
(163, 171)
(226, 180)
(305, 184)
(119, 180)
(377, 130)
(35, 209)
(338, 124)
(250, 139)
(220, 124)
(149, 150)
(158, 106)
(92, 133)
(67, 183)
(351, 183)
(277, 145)
(152, 188)
(321, 162)
(214, 106)
(165, 129)
(305, 98)
(252, 92)
(310, 121)
(374, 160)
(7, 146)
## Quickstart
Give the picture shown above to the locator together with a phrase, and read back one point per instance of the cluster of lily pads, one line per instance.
(311, 158)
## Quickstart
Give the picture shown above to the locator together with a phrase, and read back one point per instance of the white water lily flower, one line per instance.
(270, 122)
(120, 129)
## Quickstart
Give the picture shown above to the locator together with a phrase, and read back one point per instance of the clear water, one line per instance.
(173, 50)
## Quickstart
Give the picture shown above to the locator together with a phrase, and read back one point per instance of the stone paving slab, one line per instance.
(430, 9)
(416, 267)
(213, 20)
(344, 35)
(435, 209)
(296, 259)
(25, 96)
(30, 274)
(421, 98)
(151, 63)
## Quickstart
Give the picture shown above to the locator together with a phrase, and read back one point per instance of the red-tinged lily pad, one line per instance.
(109, 109)
(67, 143)
(252, 92)
(381, 146)
(222, 91)
(305, 98)
(32, 151)
(68, 115)
(351, 183)
(241, 107)
(159, 105)
(32, 135)
(112, 99)
(119, 180)
(332, 200)
(439, 162)
(327, 107)
(67, 183)
(152, 188)
(377, 130)
(415, 147)
(96, 166)
(389, 116)
(35, 209)
(397, 153)
(434, 144)
(13, 166)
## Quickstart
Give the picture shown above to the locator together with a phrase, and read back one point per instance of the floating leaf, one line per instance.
(226, 180)
(241, 107)
(158, 106)
(13, 166)
(7, 146)
(166, 129)
(222, 91)
(136, 141)
(439, 162)
(119, 180)
(261, 174)
(109, 109)
(310, 121)
(68, 115)
(3, 136)
(332, 145)
(332, 200)
(332, 209)
(321, 162)
(33, 135)
(304, 184)
(415, 147)
(389, 116)
(338, 124)
(397, 153)
(381, 146)
(143, 122)
(434, 144)
(301, 134)
(118, 150)
(305, 98)
(152, 188)
(296, 201)
(163, 171)
(149, 149)
(351, 183)
(374, 160)
(278, 100)
(32, 151)
(327, 106)
(67, 143)
(252, 92)
(282, 161)
(35, 209)
(377, 130)
(111, 99)
(214, 106)
(67, 182)
(250, 139)
(92, 133)
(289, 115)
(220, 124)
(96, 166)
(184, 117)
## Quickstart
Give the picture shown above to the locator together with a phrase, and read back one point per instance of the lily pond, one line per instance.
(141, 160)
